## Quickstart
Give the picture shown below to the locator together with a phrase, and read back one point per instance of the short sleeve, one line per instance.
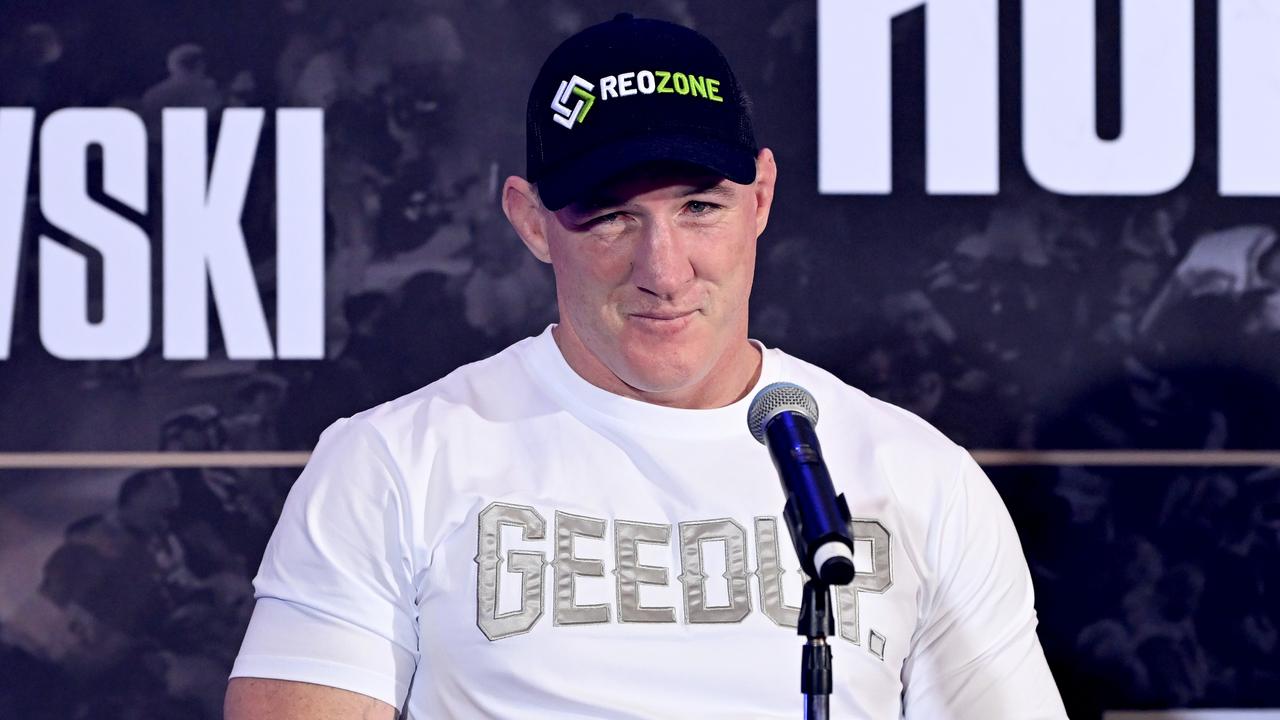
(335, 592)
(975, 653)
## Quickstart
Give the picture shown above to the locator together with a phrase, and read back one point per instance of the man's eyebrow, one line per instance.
(716, 187)
(601, 200)
(598, 201)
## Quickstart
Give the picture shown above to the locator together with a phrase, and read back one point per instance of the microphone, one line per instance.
(782, 417)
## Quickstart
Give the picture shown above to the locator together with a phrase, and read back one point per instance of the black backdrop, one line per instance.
(1020, 321)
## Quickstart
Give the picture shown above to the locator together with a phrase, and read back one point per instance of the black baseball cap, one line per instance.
(631, 91)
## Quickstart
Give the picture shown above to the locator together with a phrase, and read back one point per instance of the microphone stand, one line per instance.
(782, 417)
(816, 624)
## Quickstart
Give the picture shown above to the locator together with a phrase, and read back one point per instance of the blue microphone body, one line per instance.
(782, 418)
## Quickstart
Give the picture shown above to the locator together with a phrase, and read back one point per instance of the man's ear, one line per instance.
(524, 211)
(766, 179)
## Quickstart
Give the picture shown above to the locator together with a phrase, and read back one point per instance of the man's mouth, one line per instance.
(663, 321)
(663, 314)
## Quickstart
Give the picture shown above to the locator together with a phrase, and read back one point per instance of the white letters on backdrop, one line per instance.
(16, 128)
(300, 233)
(1059, 98)
(1249, 97)
(65, 326)
(204, 243)
(855, 120)
(1061, 147)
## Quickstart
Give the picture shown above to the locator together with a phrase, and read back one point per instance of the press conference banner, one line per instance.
(1040, 225)
(1003, 215)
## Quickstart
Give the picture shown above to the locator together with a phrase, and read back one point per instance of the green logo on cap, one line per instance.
(569, 89)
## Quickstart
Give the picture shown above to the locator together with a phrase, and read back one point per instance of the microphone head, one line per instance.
(776, 398)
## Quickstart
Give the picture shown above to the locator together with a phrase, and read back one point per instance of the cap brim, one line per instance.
(571, 182)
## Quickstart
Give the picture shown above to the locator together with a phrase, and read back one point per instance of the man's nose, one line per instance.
(661, 264)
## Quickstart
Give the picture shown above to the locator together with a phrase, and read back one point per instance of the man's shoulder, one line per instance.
(873, 420)
(882, 445)
(496, 388)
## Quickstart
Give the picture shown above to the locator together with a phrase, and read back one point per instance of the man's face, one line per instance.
(150, 509)
(653, 273)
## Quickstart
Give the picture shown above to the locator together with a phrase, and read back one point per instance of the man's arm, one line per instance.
(260, 699)
(334, 629)
(976, 654)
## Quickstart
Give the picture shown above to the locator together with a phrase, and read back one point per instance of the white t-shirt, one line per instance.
(512, 541)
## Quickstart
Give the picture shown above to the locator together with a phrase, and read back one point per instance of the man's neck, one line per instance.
(729, 380)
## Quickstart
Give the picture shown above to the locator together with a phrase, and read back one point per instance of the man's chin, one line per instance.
(662, 375)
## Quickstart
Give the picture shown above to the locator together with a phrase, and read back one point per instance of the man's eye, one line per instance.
(611, 217)
(699, 207)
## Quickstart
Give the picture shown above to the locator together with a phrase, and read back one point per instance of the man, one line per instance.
(410, 566)
(187, 85)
